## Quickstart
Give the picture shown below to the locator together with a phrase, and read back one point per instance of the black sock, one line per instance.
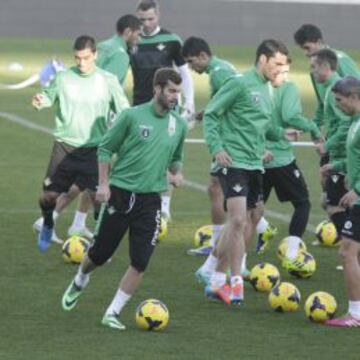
(47, 213)
(339, 219)
(300, 217)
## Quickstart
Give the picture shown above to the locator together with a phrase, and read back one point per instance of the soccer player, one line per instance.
(347, 95)
(336, 125)
(159, 48)
(148, 140)
(84, 96)
(236, 121)
(281, 170)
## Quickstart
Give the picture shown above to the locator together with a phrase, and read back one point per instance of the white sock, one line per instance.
(354, 309)
(79, 221)
(210, 264)
(261, 225)
(243, 263)
(119, 301)
(236, 280)
(81, 279)
(218, 279)
(165, 204)
(55, 215)
(293, 247)
(216, 231)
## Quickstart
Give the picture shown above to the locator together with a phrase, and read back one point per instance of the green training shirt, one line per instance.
(336, 123)
(287, 112)
(237, 119)
(219, 71)
(146, 144)
(113, 57)
(346, 66)
(352, 163)
(83, 105)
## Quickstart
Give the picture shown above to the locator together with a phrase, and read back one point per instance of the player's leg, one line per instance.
(166, 202)
(111, 227)
(218, 216)
(144, 229)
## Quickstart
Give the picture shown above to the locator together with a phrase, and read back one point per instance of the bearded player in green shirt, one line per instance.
(236, 121)
(148, 140)
(347, 95)
(84, 96)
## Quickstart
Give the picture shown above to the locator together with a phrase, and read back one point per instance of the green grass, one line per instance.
(33, 326)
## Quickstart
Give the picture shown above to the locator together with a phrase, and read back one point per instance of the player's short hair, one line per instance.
(128, 21)
(307, 33)
(269, 48)
(347, 86)
(164, 75)
(326, 56)
(84, 42)
(193, 46)
(145, 5)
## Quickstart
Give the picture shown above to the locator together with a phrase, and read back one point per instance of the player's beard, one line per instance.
(166, 104)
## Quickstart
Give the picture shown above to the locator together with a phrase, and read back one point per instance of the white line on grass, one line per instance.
(199, 187)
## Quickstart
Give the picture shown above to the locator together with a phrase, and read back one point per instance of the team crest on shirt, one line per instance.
(348, 225)
(171, 125)
(255, 97)
(297, 173)
(161, 47)
(145, 131)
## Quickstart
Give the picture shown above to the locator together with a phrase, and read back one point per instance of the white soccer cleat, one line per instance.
(85, 232)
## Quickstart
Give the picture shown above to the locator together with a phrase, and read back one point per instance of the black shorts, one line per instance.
(335, 189)
(240, 182)
(351, 227)
(288, 182)
(70, 165)
(138, 213)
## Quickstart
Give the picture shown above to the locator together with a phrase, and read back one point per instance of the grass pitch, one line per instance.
(33, 323)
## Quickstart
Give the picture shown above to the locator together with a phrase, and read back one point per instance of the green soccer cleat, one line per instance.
(264, 239)
(112, 322)
(71, 296)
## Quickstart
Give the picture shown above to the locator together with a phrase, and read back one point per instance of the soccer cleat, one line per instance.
(264, 239)
(237, 294)
(44, 238)
(71, 296)
(202, 276)
(210, 293)
(201, 251)
(112, 322)
(37, 227)
(296, 265)
(345, 321)
(245, 273)
(223, 293)
(83, 231)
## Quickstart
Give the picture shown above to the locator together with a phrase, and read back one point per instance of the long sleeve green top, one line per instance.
(147, 145)
(83, 102)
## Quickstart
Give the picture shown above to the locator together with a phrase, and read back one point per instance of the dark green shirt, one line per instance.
(146, 145)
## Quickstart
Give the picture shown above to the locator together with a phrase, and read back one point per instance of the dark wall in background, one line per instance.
(219, 21)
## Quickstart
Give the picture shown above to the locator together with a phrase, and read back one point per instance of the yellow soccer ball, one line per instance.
(284, 297)
(307, 266)
(163, 230)
(264, 276)
(326, 233)
(320, 306)
(283, 246)
(152, 315)
(74, 249)
(203, 235)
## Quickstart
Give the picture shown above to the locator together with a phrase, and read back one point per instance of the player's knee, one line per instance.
(47, 200)
(238, 221)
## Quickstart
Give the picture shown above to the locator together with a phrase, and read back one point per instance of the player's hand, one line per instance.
(292, 134)
(268, 156)
(223, 159)
(176, 179)
(37, 100)
(348, 199)
(320, 148)
(103, 193)
(325, 169)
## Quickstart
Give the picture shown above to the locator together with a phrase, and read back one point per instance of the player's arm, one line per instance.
(291, 113)
(215, 109)
(119, 100)
(346, 65)
(47, 97)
